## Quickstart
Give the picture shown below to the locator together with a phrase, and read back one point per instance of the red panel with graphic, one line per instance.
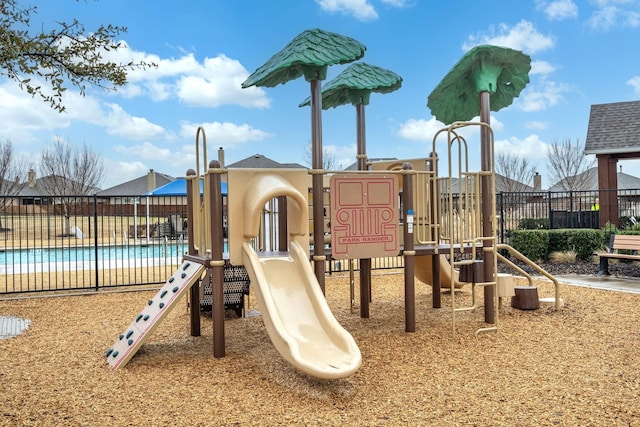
(364, 216)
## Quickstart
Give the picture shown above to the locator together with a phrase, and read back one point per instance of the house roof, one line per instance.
(260, 161)
(136, 187)
(354, 166)
(590, 182)
(614, 129)
(503, 184)
(37, 190)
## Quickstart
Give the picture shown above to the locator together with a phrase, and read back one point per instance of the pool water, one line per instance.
(78, 254)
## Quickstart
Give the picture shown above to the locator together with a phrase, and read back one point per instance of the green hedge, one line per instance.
(534, 244)
(538, 244)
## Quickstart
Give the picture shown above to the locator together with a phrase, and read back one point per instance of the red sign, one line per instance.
(364, 216)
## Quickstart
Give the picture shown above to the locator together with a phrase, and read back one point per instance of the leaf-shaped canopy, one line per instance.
(355, 84)
(501, 71)
(308, 54)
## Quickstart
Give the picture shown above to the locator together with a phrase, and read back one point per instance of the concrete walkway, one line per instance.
(612, 283)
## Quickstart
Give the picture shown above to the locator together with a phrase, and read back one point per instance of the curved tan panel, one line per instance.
(260, 190)
(248, 192)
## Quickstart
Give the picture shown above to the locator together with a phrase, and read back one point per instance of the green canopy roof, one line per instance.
(355, 84)
(501, 71)
(307, 54)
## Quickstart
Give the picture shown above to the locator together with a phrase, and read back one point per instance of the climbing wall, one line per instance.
(154, 312)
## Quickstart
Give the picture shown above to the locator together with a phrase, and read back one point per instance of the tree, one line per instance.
(68, 172)
(516, 171)
(64, 55)
(328, 158)
(12, 176)
(567, 164)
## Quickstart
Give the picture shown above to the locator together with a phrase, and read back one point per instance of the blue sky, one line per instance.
(583, 53)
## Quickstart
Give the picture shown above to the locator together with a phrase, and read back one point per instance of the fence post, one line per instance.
(499, 201)
(95, 238)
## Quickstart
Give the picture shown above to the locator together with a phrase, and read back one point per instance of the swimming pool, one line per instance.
(17, 261)
(29, 256)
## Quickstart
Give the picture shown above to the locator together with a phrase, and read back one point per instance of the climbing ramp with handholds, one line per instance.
(153, 313)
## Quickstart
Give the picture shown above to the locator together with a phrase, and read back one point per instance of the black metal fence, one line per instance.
(566, 209)
(82, 243)
(74, 243)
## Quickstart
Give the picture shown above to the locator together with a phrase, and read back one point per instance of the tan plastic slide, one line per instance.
(297, 316)
(423, 272)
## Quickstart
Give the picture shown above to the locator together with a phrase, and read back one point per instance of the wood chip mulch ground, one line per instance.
(576, 367)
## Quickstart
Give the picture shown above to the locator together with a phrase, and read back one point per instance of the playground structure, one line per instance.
(440, 243)
(436, 220)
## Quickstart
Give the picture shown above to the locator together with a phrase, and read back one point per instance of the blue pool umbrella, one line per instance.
(179, 188)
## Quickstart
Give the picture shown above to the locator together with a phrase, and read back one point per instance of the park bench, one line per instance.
(628, 243)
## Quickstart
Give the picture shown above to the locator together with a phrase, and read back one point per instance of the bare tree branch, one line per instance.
(68, 172)
(567, 164)
(328, 158)
(517, 171)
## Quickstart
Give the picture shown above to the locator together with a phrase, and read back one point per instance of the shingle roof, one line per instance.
(41, 185)
(260, 161)
(614, 128)
(136, 186)
(354, 166)
(503, 184)
(625, 182)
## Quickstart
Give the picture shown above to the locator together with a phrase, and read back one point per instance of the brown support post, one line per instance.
(194, 292)
(436, 300)
(408, 252)
(365, 264)
(283, 241)
(317, 183)
(217, 262)
(608, 184)
(486, 162)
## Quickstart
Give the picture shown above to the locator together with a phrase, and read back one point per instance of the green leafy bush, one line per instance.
(585, 242)
(538, 244)
(534, 244)
(559, 240)
(533, 223)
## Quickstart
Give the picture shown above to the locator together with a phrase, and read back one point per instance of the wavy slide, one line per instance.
(297, 316)
(423, 271)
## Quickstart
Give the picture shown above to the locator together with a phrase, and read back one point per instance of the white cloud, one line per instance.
(119, 122)
(344, 155)
(219, 82)
(531, 147)
(360, 9)
(398, 3)
(146, 150)
(541, 67)
(542, 96)
(126, 172)
(214, 82)
(420, 129)
(523, 36)
(615, 13)
(558, 10)
(22, 115)
(226, 135)
(634, 82)
(425, 130)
